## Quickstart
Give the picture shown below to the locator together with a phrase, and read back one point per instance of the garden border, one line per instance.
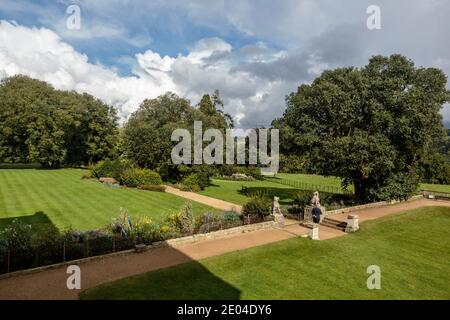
(200, 237)
(159, 244)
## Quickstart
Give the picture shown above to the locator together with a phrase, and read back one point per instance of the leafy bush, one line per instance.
(16, 238)
(254, 172)
(133, 177)
(191, 183)
(151, 187)
(183, 221)
(74, 248)
(329, 200)
(47, 245)
(400, 186)
(435, 168)
(293, 163)
(96, 242)
(261, 206)
(110, 168)
(303, 198)
(196, 177)
(144, 230)
(231, 219)
(122, 224)
(210, 222)
(186, 219)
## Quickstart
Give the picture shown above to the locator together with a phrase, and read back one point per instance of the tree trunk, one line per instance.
(360, 189)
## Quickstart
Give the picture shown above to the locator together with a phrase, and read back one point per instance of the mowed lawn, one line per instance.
(435, 187)
(412, 250)
(68, 201)
(231, 190)
(313, 179)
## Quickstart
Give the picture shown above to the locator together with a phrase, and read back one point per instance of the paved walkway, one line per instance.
(51, 284)
(212, 202)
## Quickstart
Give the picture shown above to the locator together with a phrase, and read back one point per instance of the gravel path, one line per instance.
(212, 202)
(51, 284)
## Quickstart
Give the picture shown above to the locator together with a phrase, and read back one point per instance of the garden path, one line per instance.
(212, 202)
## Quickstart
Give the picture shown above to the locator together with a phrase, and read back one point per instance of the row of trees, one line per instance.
(52, 127)
(379, 127)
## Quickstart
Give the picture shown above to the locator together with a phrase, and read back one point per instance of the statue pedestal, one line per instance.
(279, 219)
(313, 230)
(352, 223)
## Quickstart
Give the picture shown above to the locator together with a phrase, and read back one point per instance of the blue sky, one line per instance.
(254, 51)
(166, 31)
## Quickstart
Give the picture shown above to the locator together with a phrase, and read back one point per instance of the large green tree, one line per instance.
(53, 127)
(370, 126)
(146, 137)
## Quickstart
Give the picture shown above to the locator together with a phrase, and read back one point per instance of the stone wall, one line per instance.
(370, 205)
(217, 234)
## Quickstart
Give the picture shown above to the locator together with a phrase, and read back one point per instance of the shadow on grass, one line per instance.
(37, 220)
(165, 284)
(286, 195)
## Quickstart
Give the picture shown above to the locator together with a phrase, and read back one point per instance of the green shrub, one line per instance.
(143, 230)
(47, 245)
(16, 238)
(231, 219)
(254, 172)
(400, 186)
(110, 168)
(97, 242)
(261, 206)
(303, 198)
(134, 177)
(74, 248)
(183, 221)
(191, 183)
(186, 219)
(151, 187)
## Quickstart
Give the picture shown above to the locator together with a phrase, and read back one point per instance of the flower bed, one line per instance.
(23, 246)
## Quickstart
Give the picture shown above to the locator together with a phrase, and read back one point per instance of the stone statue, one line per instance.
(276, 212)
(315, 201)
(276, 206)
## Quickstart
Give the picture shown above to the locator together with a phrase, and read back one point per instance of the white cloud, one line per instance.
(210, 64)
(40, 53)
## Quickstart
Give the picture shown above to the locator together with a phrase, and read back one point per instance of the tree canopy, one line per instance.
(147, 134)
(53, 127)
(371, 126)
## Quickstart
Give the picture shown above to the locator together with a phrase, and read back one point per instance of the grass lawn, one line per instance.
(66, 200)
(230, 190)
(435, 187)
(412, 249)
(312, 179)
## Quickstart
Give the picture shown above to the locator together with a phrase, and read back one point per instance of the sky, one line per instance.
(254, 52)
